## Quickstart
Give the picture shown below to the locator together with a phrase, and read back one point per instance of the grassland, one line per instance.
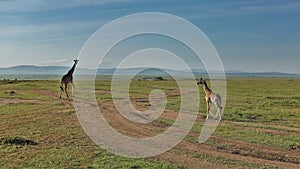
(260, 127)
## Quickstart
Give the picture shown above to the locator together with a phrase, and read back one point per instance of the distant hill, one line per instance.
(60, 70)
(261, 74)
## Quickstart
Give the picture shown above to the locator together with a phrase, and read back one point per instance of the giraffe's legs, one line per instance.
(219, 105)
(61, 90)
(220, 110)
(207, 108)
(66, 89)
(208, 102)
(73, 89)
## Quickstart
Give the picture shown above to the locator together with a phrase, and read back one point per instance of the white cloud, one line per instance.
(2, 63)
(284, 6)
(59, 62)
(106, 62)
(29, 29)
(239, 8)
(38, 5)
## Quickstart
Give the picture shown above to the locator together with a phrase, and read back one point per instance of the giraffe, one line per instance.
(66, 79)
(211, 97)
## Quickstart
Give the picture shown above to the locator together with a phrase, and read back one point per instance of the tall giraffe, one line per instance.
(211, 97)
(66, 79)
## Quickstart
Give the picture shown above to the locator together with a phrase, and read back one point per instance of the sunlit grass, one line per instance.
(252, 103)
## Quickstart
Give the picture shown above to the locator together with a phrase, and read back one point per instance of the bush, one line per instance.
(159, 78)
(19, 141)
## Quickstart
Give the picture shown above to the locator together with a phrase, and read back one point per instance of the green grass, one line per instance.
(258, 137)
(120, 162)
(61, 143)
(269, 100)
(252, 103)
(226, 162)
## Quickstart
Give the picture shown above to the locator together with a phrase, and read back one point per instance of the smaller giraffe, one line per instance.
(211, 97)
(66, 79)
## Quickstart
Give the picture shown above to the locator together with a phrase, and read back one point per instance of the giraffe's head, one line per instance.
(201, 81)
(76, 60)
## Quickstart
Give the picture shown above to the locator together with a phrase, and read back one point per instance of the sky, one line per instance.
(249, 35)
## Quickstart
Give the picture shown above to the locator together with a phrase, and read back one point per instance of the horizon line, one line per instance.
(231, 71)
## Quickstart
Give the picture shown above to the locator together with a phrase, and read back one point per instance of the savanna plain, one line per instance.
(260, 127)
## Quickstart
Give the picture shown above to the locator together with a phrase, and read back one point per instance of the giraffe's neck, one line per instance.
(72, 69)
(206, 88)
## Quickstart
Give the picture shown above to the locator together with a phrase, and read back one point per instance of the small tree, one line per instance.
(159, 78)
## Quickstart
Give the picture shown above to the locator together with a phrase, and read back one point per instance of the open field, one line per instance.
(260, 127)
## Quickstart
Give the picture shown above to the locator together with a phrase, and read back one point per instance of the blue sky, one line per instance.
(249, 35)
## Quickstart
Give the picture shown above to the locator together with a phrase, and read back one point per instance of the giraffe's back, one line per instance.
(67, 78)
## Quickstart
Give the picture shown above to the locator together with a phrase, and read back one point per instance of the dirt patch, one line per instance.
(55, 96)
(5, 101)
